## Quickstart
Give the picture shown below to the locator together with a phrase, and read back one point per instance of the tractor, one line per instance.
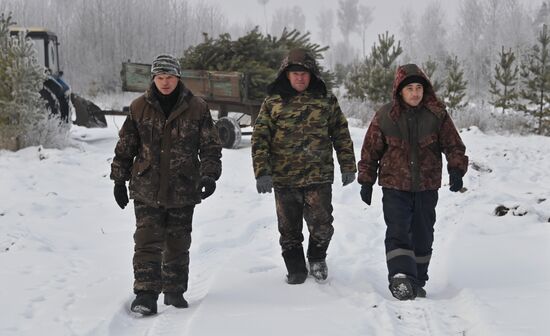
(55, 91)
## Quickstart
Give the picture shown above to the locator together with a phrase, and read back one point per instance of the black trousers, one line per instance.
(410, 219)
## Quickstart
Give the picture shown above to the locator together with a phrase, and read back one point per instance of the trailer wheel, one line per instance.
(230, 132)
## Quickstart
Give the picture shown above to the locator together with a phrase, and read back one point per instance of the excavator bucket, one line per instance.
(87, 113)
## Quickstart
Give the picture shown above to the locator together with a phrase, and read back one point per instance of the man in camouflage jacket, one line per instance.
(170, 152)
(297, 128)
(403, 147)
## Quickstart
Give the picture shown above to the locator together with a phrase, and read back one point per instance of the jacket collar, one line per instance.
(181, 105)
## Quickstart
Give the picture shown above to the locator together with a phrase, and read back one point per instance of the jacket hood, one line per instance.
(302, 58)
(404, 75)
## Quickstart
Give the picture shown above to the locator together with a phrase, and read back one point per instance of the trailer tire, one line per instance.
(229, 131)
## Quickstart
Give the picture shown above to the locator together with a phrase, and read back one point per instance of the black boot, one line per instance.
(316, 251)
(145, 303)
(175, 299)
(296, 266)
(319, 270)
(401, 287)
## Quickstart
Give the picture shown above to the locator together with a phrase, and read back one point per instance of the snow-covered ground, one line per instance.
(66, 249)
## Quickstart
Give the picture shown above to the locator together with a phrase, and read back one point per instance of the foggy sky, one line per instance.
(387, 13)
(385, 16)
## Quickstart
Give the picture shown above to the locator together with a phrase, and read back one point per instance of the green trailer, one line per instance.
(224, 91)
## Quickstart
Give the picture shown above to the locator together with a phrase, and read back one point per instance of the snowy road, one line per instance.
(66, 252)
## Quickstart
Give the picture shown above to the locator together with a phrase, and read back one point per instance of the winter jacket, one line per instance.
(164, 158)
(403, 144)
(295, 133)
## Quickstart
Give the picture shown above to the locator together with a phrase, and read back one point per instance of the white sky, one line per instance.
(386, 12)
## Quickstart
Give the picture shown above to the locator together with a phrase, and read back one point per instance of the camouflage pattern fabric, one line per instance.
(162, 240)
(301, 57)
(165, 158)
(313, 204)
(403, 145)
(304, 59)
(294, 142)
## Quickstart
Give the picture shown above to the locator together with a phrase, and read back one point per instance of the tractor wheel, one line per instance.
(52, 103)
(230, 132)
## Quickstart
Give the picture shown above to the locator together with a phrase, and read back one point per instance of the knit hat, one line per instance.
(165, 64)
(412, 79)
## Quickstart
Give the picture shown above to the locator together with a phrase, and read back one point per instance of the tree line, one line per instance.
(460, 57)
(514, 85)
(96, 36)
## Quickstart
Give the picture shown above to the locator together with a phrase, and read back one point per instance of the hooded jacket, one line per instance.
(164, 158)
(403, 144)
(295, 133)
(281, 84)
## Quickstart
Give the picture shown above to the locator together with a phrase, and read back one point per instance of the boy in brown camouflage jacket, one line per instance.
(402, 148)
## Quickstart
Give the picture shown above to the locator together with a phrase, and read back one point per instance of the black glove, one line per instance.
(366, 193)
(455, 180)
(264, 184)
(208, 184)
(121, 195)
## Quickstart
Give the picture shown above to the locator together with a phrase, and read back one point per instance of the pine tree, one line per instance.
(455, 85)
(382, 69)
(355, 81)
(20, 82)
(256, 55)
(535, 73)
(430, 67)
(373, 78)
(503, 87)
(543, 15)
(24, 119)
(348, 17)
(341, 71)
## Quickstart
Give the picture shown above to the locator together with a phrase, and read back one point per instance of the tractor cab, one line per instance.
(55, 92)
(46, 45)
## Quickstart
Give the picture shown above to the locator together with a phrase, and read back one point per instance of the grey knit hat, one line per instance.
(166, 64)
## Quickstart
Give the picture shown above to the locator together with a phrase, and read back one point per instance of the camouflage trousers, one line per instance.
(161, 252)
(312, 203)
